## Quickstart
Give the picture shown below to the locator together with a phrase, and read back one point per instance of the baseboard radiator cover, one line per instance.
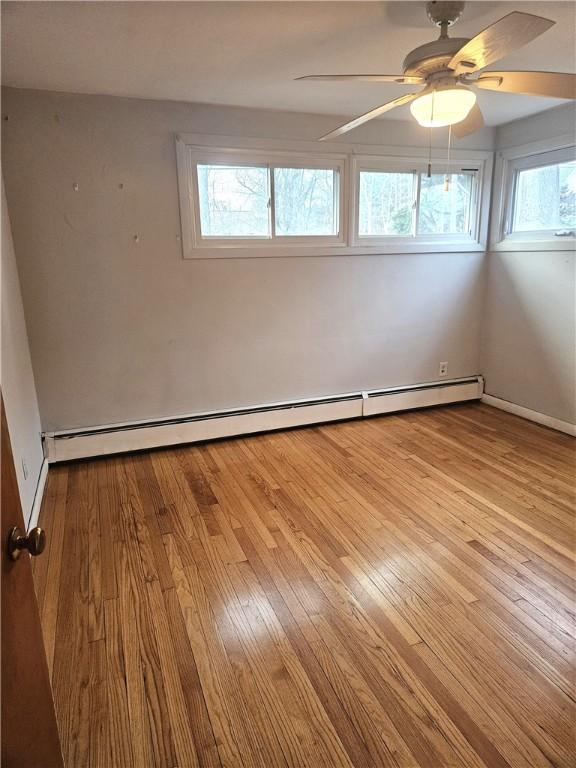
(138, 436)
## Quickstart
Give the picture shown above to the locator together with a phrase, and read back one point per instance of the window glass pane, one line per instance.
(233, 201)
(546, 198)
(386, 203)
(445, 209)
(304, 201)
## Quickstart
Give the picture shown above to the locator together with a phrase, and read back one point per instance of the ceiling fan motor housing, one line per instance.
(442, 12)
(433, 57)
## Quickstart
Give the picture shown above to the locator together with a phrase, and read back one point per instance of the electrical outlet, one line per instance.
(443, 369)
(24, 468)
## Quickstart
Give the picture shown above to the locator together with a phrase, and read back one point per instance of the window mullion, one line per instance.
(511, 208)
(474, 204)
(416, 208)
(272, 201)
(336, 193)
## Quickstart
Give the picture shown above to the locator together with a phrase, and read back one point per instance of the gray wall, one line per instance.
(18, 390)
(123, 330)
(529, 315)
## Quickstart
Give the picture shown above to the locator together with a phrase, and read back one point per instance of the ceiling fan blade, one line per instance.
(498, 40)
(558, 85)
(370, 115)
(472, 123)
(402, 79)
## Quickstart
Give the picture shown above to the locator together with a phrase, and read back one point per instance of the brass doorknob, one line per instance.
(34, 542)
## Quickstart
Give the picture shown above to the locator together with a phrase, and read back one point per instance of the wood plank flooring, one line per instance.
(390, 592)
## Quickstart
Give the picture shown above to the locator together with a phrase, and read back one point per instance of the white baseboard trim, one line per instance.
(527, 413)
(138, 436)
(38, 495)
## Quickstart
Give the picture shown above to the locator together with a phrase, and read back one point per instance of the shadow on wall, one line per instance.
(528, 353)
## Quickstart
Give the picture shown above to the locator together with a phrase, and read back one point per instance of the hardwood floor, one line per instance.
(390, 592)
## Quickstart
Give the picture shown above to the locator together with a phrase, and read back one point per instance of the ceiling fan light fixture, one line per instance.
(439, 107)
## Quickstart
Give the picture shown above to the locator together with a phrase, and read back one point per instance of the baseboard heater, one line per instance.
(142, 435)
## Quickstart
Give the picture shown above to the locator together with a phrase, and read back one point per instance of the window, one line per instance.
(387, 204)
(256, 197)
(545, 198)
(246, 199)
(237, 201)
(306, 202)
(233, 201)
(445, 204)
(412, 204)
(539, 198)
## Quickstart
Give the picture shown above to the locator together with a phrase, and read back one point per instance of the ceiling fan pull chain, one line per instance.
(430, 137)
(447, 176)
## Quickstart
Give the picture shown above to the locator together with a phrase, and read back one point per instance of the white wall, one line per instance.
(529, 313)
(17, 379)
(123, 330)
(553, 122)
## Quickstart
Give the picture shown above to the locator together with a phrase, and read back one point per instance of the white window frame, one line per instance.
(418, 166)
(347, 158)
(271, 161)
(509, 163)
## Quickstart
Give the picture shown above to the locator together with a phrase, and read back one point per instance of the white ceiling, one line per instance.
(248, 53)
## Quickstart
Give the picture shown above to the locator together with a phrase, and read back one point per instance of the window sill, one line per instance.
(282, 251)
(564, 244)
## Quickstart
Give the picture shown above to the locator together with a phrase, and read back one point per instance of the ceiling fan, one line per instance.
(446, 67)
